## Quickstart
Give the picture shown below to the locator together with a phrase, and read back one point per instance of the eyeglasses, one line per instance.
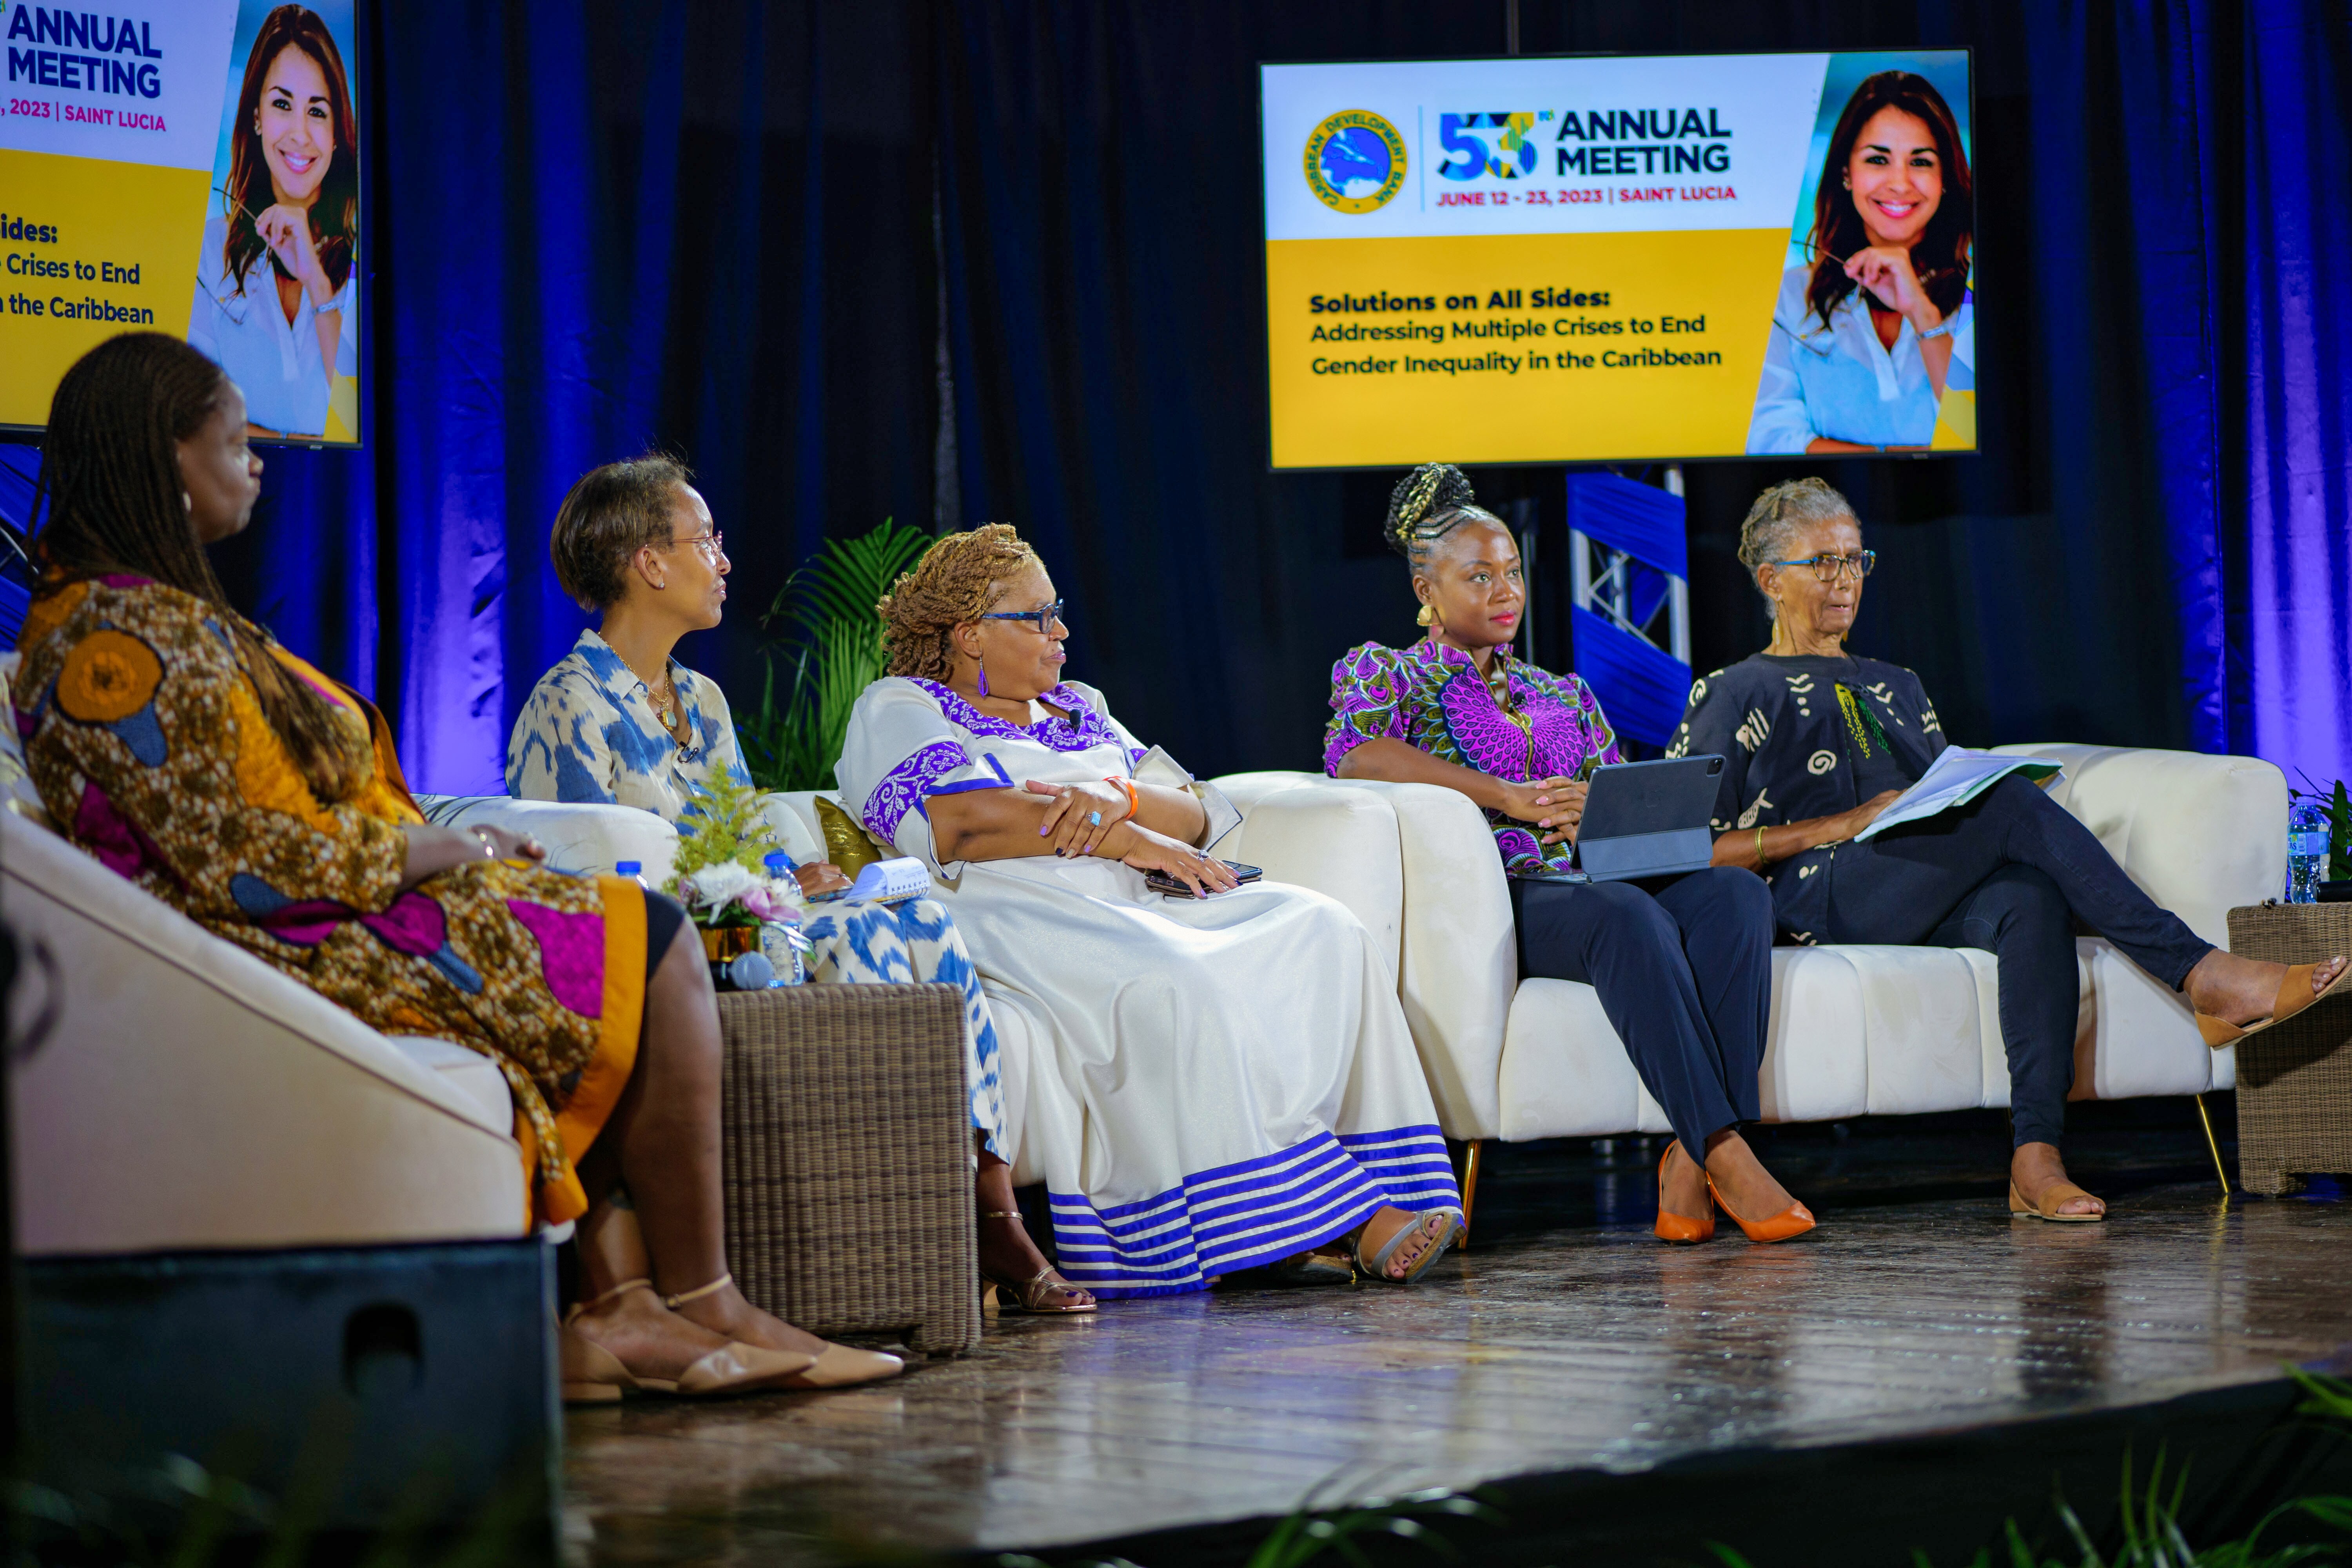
(1044, 616)
(1829, 568)
(712, 544)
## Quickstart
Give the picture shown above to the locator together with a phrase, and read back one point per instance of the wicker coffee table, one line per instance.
(848, 1161)
(2294, 1081)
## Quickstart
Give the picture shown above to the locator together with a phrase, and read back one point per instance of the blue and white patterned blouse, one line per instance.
(588, 735)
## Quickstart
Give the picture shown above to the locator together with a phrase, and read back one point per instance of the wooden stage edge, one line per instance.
(1909, 1376)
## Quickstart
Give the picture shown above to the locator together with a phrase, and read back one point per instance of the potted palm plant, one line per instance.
(828, 640)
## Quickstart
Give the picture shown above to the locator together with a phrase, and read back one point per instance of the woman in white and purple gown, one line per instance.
(1204, 1085)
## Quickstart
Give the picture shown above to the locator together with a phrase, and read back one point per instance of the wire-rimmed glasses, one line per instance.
(712, 544)
(1043, 617)
(1829, 568)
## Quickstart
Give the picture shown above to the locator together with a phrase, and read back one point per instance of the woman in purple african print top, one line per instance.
(1683, 966)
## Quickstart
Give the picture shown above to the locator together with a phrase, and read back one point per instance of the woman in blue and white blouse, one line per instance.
(1874, 338)
(620, 722)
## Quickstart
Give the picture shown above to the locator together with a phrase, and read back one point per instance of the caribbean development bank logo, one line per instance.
(1355, 162)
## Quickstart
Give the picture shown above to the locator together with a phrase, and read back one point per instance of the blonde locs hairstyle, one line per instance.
(1426, 505)
(954, 583)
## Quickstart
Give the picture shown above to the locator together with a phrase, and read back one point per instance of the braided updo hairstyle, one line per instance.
(110, 498)
(954, 583)
(1427, 504)
(1770, 529)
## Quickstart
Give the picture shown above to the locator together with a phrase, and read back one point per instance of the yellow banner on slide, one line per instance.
(116, 247)
(1512, 348)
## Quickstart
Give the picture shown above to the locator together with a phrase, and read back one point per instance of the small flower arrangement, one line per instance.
(728, 895)
(721, 874)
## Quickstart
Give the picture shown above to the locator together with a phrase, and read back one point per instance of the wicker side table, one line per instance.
(848, 1161)
(2294, 1082)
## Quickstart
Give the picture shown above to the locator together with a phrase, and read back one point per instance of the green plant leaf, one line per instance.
(831, 641)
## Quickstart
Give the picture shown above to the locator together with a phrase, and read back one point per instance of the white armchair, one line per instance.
(174, 1091)
(1853, 1030)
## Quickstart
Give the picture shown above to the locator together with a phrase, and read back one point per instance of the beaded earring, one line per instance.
(983, 680)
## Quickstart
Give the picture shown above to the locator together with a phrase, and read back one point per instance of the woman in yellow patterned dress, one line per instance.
(176, 741)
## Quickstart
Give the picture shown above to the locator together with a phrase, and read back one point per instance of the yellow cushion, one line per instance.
(847, 843)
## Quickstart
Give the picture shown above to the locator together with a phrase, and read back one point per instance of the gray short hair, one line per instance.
(1780, 514)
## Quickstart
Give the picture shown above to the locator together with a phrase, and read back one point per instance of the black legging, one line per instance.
(1684, 969)
(2010, 872)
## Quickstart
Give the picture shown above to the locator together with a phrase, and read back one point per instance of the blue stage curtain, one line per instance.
(2288, 376)
(2230, 127)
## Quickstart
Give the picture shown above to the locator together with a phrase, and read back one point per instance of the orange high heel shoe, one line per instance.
(1794, 1220)
(1680, 1227)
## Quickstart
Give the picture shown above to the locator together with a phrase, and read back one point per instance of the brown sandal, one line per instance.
(2058, 1193)
(1029, 1296)
(2295, 996)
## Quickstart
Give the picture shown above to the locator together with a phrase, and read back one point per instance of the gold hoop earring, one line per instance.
(1428, 618)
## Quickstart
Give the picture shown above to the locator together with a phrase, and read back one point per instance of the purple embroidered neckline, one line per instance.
(1083, 734)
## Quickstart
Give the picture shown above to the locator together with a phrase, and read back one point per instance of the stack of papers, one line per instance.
(1956, 776)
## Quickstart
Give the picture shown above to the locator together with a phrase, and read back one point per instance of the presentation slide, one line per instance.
(190, 167)
(1601, 259)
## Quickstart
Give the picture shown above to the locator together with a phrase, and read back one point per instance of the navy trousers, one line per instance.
(1684, 968)
(2010, 873)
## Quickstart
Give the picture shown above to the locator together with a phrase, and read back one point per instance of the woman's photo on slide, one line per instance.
(277, 300)
(1874, 335)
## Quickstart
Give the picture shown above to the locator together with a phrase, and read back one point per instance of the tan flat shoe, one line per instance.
(843, 1366)
(2295, 994)
(592, 1375)
(2059, 1193)
(733, 1368)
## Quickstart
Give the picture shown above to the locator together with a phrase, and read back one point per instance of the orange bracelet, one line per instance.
(1134, 801)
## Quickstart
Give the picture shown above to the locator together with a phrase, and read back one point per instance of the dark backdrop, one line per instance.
(782, 238)
(2073, 581)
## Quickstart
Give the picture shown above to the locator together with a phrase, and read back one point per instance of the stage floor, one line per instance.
(1587, 1349)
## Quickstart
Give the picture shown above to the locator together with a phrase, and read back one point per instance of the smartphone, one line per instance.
(1162, 882)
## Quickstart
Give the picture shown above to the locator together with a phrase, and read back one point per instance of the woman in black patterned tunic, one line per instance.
(1816, 743)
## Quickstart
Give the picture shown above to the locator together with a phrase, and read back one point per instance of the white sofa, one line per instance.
(1855, 1030)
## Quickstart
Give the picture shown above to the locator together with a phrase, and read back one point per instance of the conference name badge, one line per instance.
(1355, 162)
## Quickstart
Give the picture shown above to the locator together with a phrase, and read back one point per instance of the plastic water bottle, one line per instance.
(782, 941)
(2306, 850)
(633, 870)
(744, 971)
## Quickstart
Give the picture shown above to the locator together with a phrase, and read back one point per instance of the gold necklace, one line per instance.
(664, 705)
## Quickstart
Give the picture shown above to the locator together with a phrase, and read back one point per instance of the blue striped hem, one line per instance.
(1248, 1214)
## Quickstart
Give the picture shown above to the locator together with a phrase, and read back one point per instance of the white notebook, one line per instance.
(1956, 777)
(888, 881)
